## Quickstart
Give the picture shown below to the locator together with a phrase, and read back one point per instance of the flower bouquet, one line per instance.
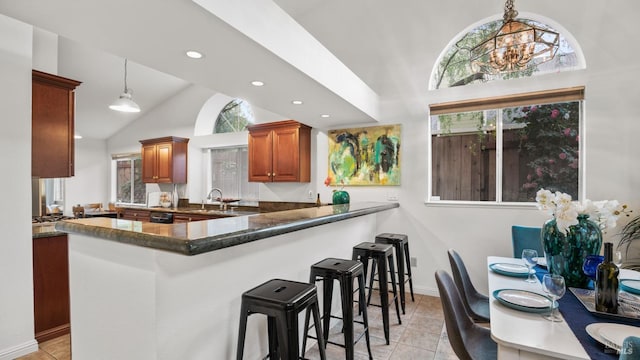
(574, 232)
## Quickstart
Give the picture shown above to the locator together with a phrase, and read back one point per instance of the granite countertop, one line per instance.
(198, 237)
(191, 210)
(40, 230)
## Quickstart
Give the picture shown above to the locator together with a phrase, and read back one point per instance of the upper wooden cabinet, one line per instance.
(164, 160)
(52, 125)
(280, 151)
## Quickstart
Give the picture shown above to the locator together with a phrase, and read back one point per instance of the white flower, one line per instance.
(566, 216)
(545, 198)
(605, 213)
(562, 199)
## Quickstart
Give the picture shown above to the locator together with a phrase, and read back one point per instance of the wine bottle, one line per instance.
(607, 283)
(318, 203)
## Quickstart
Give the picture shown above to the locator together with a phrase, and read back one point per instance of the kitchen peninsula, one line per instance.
(170, 291)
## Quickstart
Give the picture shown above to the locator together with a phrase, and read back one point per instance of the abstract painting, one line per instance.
(364, 156)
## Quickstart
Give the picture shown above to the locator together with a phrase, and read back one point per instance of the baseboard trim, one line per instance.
(53, 333)
(19, 350)
(424, 291)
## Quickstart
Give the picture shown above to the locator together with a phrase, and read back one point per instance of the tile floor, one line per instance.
(421, 336)
(54, 349)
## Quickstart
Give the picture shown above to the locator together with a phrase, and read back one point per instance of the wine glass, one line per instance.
(590, 266)
(553, 285)
(617, 258)
(530, 257)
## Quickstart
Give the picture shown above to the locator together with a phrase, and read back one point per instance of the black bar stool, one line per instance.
(400, 243)
(379, 252)
(345, 272)
(281, 301)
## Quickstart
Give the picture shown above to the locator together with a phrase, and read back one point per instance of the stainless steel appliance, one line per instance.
(161, 217)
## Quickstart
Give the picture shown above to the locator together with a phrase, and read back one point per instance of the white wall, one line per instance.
(92, 175)
(16, 276)
(476, 232)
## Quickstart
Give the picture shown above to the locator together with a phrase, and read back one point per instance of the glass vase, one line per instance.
(566, 253)
(340, 197)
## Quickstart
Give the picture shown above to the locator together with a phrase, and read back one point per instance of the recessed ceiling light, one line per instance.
(76, 136)
(257, 83)
(325, 115)
(297, 102)
(194, 54)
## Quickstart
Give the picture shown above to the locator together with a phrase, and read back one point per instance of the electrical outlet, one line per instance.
(310, 196)
(414, 262)
(392, 196)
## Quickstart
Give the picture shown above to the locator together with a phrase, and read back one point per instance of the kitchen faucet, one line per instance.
(210, 197)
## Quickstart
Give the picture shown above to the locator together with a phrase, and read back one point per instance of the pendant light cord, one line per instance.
(125, 76)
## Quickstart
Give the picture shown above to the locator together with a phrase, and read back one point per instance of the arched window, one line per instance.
(459, 65)
(503, 149)
(234, 117)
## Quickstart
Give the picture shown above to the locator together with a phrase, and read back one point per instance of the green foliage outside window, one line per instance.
(455, 68)
(550, 141)
(129, 185)
(234, 117)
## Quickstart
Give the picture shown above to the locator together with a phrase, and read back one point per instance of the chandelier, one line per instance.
(515, 46)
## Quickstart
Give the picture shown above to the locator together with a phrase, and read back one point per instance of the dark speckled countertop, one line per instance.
(40, 230)
(198, 237)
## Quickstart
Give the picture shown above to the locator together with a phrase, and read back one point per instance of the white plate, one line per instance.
(511, 268)
(594, 331)
(523, 299)
(616, 333)
(630, 285)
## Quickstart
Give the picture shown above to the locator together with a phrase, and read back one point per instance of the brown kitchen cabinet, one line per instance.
(164, 160)
(280, 151)
(50, 287)
(52, 125)
(182, 218)
(135, 214)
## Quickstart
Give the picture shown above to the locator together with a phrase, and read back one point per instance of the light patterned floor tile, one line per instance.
(421, 336)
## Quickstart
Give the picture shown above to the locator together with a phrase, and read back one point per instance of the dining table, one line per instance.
(524, 334)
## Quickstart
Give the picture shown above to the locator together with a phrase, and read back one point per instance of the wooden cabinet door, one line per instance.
(164, 163)
(286, 156)
(164, 160)
(182, 218)
(52, 125)
(260, 154)
(149, 163)
(136, 215)
(50, 287)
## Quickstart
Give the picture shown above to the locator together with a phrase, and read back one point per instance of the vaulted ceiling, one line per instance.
(361, 61)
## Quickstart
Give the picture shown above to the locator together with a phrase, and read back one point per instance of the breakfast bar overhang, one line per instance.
(172, 291)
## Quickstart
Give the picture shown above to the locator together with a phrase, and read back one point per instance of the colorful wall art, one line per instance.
(364, 156)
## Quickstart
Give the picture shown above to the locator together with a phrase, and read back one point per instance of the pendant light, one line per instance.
(124, 103)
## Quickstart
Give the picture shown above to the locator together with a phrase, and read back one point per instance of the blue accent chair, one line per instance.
(630, 348)
(526, 237)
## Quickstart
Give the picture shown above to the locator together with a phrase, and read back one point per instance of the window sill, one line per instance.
(480, 204)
